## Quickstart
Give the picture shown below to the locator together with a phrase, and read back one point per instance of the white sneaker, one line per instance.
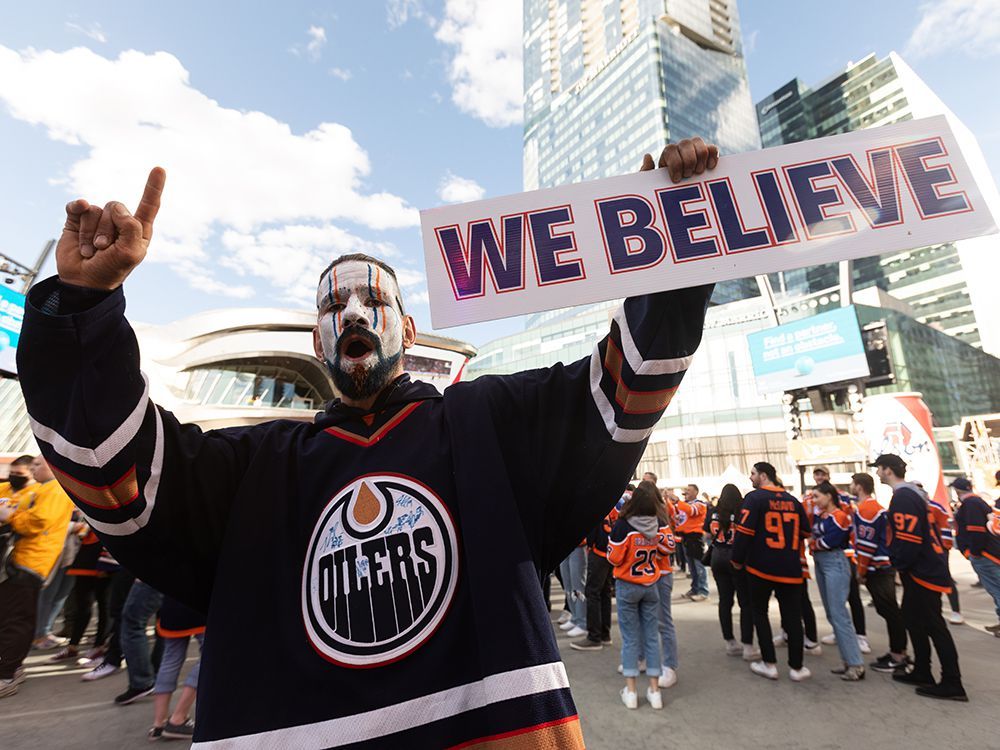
(813, 648)
(770, 671)
(576, 632)
(733, 648)
(102, 670)
(568, 625)
(956, 618)
(566, 616)
(750, 653)
(829, 639)
(629, 698)
(864, 645)
(668, 678)
(621, 669)
(781, 639)
(655, 699)
(798, 675)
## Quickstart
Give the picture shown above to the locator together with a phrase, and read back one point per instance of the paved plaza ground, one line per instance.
(717, 702)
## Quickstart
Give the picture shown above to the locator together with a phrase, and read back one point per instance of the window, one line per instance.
(261, 385)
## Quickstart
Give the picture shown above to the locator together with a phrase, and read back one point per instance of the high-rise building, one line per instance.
(607, 80)
(935, 281)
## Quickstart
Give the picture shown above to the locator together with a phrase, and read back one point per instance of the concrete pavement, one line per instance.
(717, 702)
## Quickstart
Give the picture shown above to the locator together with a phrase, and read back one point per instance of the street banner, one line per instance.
(847, 196)
(901, 423)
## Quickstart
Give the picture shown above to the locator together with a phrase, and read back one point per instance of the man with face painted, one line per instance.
(390, 549)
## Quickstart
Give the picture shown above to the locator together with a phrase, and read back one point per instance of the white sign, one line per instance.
(901, 424)
(847, 196)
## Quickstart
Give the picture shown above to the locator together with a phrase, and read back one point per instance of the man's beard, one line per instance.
(360, 382)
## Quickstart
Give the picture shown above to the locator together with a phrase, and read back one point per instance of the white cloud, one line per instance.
(485, 72)
(455, 189)
(313, 48)
(969, 26)
(342, 73)
(317, 40)
(228, 170)
(305, 250)
(91, 30)
(398, 12)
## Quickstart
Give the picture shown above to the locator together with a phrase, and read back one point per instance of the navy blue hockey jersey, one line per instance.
(388, 560)
(914, 538)
(972, 526)
(771, 535)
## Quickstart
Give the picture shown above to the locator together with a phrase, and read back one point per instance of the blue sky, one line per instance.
(294, 133)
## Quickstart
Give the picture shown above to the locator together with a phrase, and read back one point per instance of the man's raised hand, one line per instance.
(99, 247)
(689, 157)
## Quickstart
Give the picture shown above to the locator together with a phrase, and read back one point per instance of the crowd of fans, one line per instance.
(55, 569)
(760, 545)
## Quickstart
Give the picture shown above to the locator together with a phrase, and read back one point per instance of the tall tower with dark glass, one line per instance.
(604, 82)
(608, 80)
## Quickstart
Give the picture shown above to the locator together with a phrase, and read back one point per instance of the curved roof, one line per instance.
(216, 323)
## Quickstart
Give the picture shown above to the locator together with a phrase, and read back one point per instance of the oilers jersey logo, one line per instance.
(380, 572)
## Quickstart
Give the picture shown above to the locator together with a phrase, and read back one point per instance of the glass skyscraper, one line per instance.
(934, 281)
(606, 81)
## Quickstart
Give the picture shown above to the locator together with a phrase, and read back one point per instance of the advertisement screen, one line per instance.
(11, 315)
(825, 348)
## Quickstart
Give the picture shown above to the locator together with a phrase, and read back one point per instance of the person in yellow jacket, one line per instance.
(39, 515)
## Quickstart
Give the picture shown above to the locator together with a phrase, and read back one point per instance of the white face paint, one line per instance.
(358, 305)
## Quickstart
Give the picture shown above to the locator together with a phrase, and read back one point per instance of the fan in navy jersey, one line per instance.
(831, 534)
(770, 537)
(400, 588)
(875, 569)
(821, 474)
(977, 540)
(917, 552)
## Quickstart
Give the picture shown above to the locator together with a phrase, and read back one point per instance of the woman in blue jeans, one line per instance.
(177, 625)
(831, 533)
(638, 540)
(665, 591)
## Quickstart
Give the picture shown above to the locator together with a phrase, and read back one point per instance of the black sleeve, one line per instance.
(158, 493)
(573, 435)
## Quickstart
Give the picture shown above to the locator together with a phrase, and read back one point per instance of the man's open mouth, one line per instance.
(356, 346)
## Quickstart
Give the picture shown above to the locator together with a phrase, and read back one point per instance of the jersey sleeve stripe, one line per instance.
(145, 501)
(640, 365)
(631, 401)
(607, 411)
(109, 448)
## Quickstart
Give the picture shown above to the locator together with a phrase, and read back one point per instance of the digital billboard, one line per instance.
(11, 315)
(824, 348)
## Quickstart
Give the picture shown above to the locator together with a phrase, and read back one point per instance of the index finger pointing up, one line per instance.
(149, 205)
